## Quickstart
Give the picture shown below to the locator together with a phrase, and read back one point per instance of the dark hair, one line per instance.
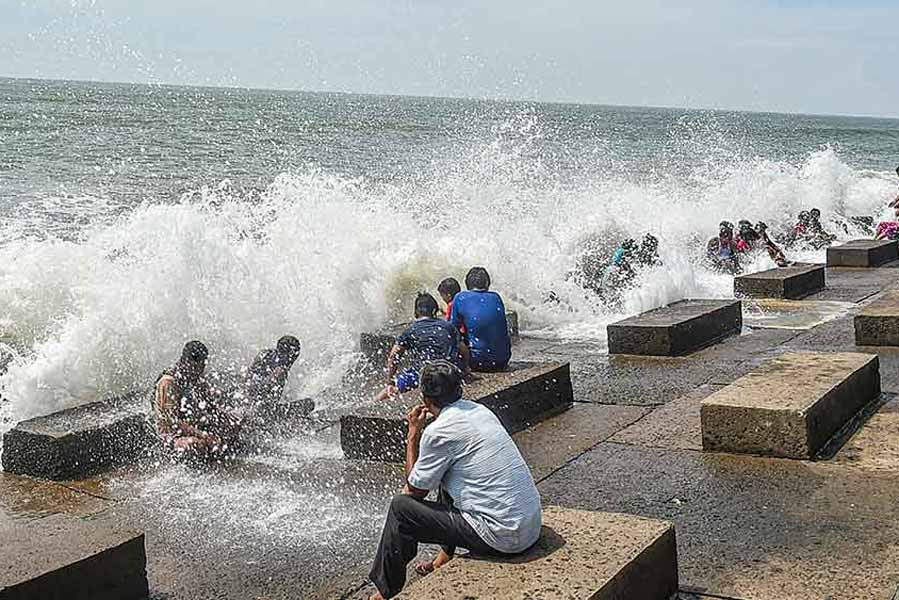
(477, 279)
(441, 382)
(449, 287)
(425, 305)
(288, 345)
(195, 351)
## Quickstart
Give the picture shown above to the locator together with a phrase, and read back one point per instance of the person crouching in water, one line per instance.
(773, 249)
(722, 251)
(481, 314)
(487, 502)
(428, 338)
(265, 381)
(186, 417)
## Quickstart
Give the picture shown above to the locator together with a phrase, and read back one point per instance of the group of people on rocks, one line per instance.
(472, 334)
(594, 271)
(486, 499)
(809, 231)
(196, 419)
(727, 251)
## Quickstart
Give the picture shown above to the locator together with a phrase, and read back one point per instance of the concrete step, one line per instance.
(525, 394)
(878, 323)
(791, 406)
(581, 555)
(792, 283)
(863, 253)
(676, 329)
(79, 441)
(376, 345)
(66, 558)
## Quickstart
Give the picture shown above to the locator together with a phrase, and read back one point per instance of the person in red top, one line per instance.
(448, 289)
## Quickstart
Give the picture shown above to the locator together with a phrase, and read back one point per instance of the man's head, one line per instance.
(804, 216)
(477, 279)
(814, 214)
(193, 358)
(650, 243)
(441, 384)
(288, 349)
(448, 289)
(425, 306)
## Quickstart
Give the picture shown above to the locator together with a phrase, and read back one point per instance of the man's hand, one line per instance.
(417, 418)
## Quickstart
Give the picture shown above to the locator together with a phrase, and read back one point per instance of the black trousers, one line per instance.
(411, 521)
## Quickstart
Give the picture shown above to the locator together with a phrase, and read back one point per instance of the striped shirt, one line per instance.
(468, 453)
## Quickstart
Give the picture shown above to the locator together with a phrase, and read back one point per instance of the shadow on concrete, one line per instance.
(846, 432)
(549, 542)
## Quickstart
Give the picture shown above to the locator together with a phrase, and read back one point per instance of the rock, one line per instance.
(64, 558)
(863, 253)
(792, 283)
(581, 555)
(791, 406)
(676, 329)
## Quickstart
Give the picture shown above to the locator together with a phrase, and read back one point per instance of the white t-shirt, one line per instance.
(467, 451)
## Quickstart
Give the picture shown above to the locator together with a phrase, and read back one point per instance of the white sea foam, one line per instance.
(325, 257)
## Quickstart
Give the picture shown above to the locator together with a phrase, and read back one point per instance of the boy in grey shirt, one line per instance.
(487, 500)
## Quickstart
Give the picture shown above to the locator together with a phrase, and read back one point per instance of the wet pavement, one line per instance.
(296, 520)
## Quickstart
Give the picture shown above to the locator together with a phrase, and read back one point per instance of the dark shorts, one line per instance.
(407, 381)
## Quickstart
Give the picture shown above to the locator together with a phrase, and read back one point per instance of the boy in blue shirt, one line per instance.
(483, 316)
(427, 339)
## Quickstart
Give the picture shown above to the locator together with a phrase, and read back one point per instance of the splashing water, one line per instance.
(325, 255)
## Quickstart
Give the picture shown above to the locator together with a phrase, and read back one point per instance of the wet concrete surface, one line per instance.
(296, 520)
(749, 527)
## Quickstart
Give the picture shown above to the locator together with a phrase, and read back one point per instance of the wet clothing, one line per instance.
(407, 381)
(176, 402)
(483, 316)
(266, 379)
(430, 339)
(888, 230)
(449, 315)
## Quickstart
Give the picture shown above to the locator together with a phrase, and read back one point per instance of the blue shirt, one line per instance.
(431, 339)
(486, 331)
(468, 453)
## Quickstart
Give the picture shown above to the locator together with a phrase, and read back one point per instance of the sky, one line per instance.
(807, 56)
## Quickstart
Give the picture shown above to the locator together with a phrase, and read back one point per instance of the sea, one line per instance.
(136, 217)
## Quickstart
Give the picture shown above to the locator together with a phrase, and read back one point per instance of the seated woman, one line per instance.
(481, 314)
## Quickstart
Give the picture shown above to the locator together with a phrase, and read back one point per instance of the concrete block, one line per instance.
(64, 558)
(523, 395)
(878, 323)
(676, 329)
(77, 442)
(790, 406)
(863, 253)
(792, 283)
(581, 555)
(375, 346)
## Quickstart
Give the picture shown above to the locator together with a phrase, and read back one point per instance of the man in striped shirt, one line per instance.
(487, 501)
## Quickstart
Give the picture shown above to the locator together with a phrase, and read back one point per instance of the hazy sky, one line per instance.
(815, 56)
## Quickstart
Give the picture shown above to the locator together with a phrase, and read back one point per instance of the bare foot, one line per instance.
(426, 568)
